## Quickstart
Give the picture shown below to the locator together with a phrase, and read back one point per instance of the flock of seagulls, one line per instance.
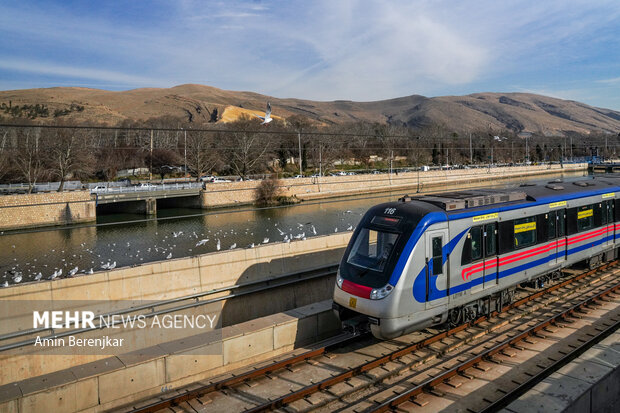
(85, 260)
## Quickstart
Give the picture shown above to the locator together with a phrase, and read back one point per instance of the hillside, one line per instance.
(519, 112)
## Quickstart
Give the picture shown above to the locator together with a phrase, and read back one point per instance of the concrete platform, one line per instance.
(123, 380)
(590, 383)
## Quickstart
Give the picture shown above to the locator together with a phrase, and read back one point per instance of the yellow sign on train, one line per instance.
(557, 204)
(585, 214)
(609, 195)
(528, 226)
(486, 217)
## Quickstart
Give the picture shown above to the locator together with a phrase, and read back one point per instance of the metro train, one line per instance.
(451, 257)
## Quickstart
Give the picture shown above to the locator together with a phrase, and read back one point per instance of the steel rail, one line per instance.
(461, 367)
(313, 388)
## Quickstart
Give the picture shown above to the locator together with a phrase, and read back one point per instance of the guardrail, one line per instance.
(149, 188)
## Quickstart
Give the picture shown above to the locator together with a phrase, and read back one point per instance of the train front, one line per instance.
(373, 290)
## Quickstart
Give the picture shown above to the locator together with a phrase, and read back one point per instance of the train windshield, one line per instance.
(372, 249)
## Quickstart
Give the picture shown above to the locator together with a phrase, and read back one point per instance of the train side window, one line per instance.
(490, 240)
(506, 236)
(437, 256)
(561, 222)
(617, 209)
(585, 218)
(466, 253)
(525, 232)
(599, 217)
(476, 243)
(571, 221)
(552, 224)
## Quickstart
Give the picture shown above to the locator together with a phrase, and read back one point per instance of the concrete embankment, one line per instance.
(235, 193)
(38, 210)
(169, 280)
(122, 380)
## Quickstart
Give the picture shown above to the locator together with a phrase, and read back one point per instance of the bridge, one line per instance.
(144, 199)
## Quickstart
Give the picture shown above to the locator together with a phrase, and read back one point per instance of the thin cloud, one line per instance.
(46, 68)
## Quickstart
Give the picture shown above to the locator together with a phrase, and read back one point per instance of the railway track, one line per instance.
(361, 373)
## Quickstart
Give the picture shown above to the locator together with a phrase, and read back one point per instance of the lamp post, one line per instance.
(185, 154)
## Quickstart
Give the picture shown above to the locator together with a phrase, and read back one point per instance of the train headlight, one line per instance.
(379, 293)
(339, 280)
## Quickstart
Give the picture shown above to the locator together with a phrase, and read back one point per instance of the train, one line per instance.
(451, 257)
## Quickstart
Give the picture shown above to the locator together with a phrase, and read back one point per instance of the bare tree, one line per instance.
(202, 156)
(67, 155)
(29, 159)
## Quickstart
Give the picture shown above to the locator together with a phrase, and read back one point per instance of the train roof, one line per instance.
(458, 202)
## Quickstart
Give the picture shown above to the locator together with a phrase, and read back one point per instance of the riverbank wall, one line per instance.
(236, 193)
(46, 209)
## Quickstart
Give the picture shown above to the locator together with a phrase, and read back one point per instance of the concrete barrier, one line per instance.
(235, 193)
(169, 280)
(115, 381)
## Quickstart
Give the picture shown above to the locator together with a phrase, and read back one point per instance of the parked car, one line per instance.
(147, 186)
(216, 180)
(207, 178)
(99, 188)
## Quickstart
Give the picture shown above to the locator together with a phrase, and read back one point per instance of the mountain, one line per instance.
(520, 112)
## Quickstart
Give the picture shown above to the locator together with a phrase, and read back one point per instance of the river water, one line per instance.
(128, 239)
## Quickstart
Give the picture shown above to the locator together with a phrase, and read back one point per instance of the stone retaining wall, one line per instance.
(54, 208)
(234, 193)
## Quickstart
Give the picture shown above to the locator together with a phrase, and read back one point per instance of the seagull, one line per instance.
(218, 245)
(112, 266)
(73, 272)
(350, 227)
(313, 230)
(266, 240)
(202, 242)
(169, 256)
(232, 247)
(38, 277)
(279, 230)
(5, 284)
(267, 118)
(89, 271)
(17, 278)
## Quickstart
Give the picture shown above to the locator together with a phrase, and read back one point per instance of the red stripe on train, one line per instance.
(356, 289)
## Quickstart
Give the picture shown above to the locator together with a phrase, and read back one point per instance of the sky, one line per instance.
(321, 49)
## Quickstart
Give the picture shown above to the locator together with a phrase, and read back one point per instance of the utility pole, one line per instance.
(299, 139)
(185, 154)
(151, 158)
(527, 150)
(391, 157)
(471, 151)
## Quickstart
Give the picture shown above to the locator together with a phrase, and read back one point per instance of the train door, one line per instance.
(608, 221)
(490, 255)
(436, 268)
(558, 229)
